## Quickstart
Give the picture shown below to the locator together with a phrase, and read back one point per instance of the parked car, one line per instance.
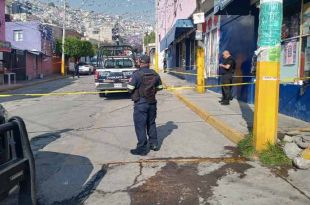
(17, 166)
(85, 68)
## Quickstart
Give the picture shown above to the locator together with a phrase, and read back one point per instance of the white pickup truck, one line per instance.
(114, 74)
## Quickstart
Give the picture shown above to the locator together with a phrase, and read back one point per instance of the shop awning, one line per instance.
(180, 27)
(232, 7)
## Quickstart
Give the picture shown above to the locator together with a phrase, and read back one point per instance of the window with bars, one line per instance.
(18, 35)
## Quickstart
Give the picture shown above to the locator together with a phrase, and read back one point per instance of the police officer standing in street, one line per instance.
(143, 87)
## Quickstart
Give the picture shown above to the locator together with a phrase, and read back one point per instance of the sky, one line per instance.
(142, 9)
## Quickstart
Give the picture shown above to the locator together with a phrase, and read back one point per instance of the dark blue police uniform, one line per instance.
(144, 112)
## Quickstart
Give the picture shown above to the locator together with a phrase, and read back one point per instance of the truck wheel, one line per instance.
(27, 193)
(27, 187)
(102, 95)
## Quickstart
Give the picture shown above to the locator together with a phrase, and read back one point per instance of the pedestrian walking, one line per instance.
(165, 64)
(227, 70)
(76, 69)
(143, 87)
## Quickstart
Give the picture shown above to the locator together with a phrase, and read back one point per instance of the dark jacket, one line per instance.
(135, 82)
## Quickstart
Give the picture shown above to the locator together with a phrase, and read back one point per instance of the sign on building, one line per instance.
(5, 46)
(199, 18)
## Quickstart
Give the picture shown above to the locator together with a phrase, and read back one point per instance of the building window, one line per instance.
(18, 35)
(95, 32)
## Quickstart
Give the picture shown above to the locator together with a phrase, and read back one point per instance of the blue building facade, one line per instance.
(235, 28)
(238, 34)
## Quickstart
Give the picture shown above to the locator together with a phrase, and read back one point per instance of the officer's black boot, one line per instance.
(154, 147)
(143, 150)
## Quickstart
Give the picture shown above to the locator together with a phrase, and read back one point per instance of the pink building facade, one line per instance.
(4, 46)
(169, 11)
(2, 20)
(176, 33)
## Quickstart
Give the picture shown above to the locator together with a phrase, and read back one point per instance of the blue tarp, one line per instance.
(181, 26)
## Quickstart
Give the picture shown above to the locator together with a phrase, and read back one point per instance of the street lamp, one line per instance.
(63, 40)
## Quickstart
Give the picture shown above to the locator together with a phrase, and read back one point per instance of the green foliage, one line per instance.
(274, 156)
(246, 146)
(58, 47)
(75, 47)
(149, 38)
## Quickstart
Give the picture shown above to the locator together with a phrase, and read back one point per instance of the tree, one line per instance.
(75, 48)
(149, 38)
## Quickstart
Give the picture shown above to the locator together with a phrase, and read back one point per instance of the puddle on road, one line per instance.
(232, 151)
(181, 184)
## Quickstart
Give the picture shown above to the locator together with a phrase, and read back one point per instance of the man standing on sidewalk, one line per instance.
(76, 70)
(143, 86)
(228, 67)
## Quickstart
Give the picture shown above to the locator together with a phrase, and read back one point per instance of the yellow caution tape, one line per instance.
(285, 80)
(212, 76)
(183, 73)
(64, 93)
(292, 80)
(169, 88)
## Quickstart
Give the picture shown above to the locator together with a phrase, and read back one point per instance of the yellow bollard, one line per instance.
(156, 62)
(62, 71)
(200, 70)
(266, 104)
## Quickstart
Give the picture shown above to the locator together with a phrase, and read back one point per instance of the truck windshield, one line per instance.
(118, 63)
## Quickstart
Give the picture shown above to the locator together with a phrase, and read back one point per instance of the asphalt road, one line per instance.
(81, 145)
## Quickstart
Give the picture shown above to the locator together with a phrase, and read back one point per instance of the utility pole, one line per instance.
(156, 37)
(200, 56)
(63, 40)
(268, 73)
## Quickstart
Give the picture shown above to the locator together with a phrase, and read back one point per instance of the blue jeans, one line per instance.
(144, 119)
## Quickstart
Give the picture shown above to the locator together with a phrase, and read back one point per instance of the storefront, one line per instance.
(212, 45)
(179, 45)
(239, 34)
(295, 48)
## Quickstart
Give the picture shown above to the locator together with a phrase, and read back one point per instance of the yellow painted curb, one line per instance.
(306, 154)
(230, 133)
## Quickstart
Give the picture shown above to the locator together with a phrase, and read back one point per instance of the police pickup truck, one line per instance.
(114, 73)
(17, 166)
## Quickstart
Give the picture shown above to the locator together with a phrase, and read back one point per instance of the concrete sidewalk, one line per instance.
(28, 83)
(235, 120)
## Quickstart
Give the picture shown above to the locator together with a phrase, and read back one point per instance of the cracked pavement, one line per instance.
(81, 145)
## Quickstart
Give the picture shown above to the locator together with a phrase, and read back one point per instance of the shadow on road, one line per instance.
(117, 96)
(47, 87)
(63, 178)
(164, 131)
